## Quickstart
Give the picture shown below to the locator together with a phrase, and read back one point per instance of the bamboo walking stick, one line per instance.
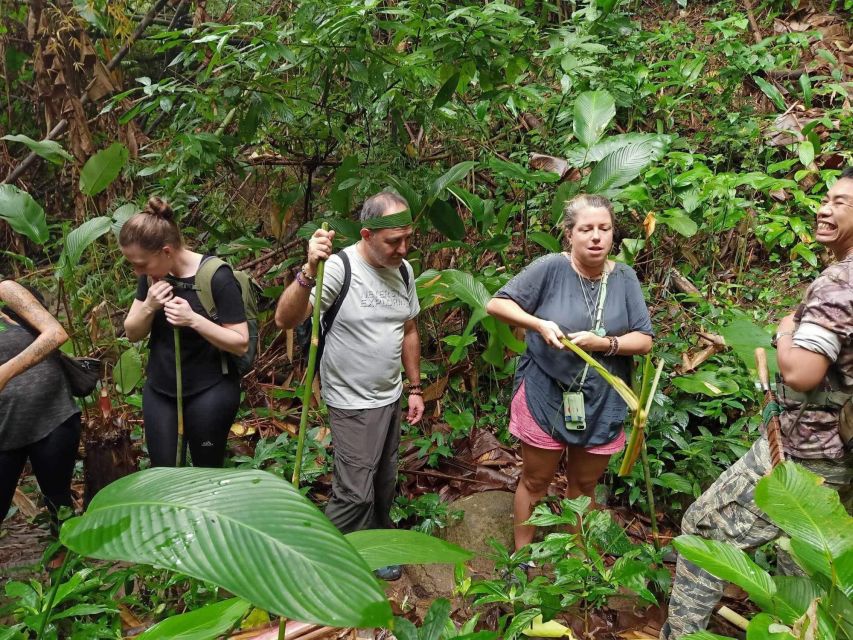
(179, 389)
(771, 406)
(309, 372)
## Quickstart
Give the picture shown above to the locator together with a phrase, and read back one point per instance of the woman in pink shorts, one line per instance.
(559, 404)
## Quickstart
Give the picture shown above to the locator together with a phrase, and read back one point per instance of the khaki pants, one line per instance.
(365, 443)
(727, 512)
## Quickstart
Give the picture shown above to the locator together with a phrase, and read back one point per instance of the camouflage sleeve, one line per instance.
(829, 304)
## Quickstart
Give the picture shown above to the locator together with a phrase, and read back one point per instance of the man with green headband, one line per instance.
(369, 305)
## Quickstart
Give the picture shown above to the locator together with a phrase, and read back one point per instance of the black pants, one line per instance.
(365, 442)
(52, 459)
(208, 417)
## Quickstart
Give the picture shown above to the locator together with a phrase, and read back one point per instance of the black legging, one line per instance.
(52, 459)
(208, 417)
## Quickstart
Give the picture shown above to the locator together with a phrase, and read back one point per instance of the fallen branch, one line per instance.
(442, 476)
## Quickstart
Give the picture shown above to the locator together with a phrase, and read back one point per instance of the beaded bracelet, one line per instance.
(301, 280)
(614, 346)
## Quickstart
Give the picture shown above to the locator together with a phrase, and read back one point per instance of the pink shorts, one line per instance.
(524, 427)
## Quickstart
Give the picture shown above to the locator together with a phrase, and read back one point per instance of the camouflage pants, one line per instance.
(727, 512)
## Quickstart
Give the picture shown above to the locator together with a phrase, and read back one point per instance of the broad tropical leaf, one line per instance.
(247, 531)
(23, 214)
(796, 501)
(80, 238)
(121, 215)
(445, 219)
(50, 150)
(381, 547)
(102, 168)
(713, 383)
(446, 91)
(760, 628)
(346, 178)
(545, 240)
(744, 337)
(206, 623)
(593, 112)
(128, 371)
(620, 167)
(454, 174)
(580, 156)
(771, 92)
(730, 563)
(705, 635)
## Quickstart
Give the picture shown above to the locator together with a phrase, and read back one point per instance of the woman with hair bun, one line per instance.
(560, 405)
(166, 297)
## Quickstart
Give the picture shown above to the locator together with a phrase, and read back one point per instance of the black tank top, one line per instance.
(34, 402)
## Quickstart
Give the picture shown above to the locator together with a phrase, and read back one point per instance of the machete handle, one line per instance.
(761, 367)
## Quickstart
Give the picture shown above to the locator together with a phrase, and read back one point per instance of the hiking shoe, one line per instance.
(390, 573)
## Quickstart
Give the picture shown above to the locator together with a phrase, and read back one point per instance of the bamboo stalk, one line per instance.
(179, 390)
(650, 495)
(309, 372)
(735, 618)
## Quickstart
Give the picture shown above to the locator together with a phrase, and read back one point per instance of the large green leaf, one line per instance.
(730, 563)
(620, 167)
(80, 238)
(128, 371)
(744, 337)
(102, 168)
(121, 215)
(247, 531)
(705, 635)
(381, 547)
(446, 220)
(581, 156)
(346, 178)
(446, 91)
(679, 221)
(804, 509)
(545, 240)
(760, 629)
(593, 112)
(453, 175)
(207, 623)
(23, 214)
(50, 150)
(708, 382)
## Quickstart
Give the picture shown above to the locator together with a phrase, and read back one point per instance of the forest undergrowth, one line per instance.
(715, 127)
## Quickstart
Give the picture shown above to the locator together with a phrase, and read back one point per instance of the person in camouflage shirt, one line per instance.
(815, 355)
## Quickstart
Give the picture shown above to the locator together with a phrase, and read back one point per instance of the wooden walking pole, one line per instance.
(774, 429)
(309, 372)
(179, 389)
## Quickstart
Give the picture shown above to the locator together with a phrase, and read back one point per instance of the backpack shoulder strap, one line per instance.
(404, 273)
(203, 282)
(329, 317)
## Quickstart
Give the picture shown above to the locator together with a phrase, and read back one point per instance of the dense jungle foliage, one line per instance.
(716, 128)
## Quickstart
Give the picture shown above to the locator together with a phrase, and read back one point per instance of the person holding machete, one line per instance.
(815, 355)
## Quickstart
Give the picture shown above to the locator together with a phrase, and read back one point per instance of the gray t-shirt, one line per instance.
(34, 402)
(550, 289)
(361, 361)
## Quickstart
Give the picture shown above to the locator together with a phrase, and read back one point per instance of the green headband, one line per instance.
(393, 221)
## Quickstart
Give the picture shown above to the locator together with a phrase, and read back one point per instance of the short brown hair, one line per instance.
(152, 228)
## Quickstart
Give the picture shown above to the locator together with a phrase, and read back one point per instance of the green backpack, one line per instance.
(203, 279)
